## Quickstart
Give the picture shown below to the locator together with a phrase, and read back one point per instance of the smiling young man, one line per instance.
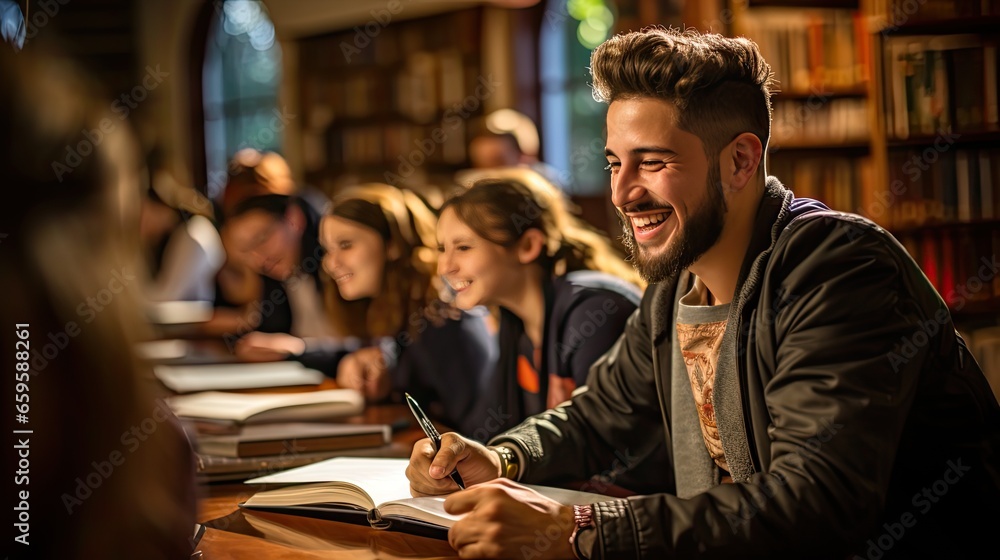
(791, 385)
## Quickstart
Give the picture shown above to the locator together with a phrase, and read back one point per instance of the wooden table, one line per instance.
(233, 533)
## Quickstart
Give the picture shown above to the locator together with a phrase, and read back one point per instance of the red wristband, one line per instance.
(583, 518)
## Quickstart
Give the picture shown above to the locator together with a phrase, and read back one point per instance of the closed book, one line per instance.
(218, 468)
(263, 408)
(299, 437)
(226, 377)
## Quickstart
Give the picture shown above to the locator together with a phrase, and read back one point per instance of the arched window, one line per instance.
(572, 122)
(240, 81)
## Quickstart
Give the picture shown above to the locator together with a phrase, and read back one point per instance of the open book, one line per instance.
(373, 491)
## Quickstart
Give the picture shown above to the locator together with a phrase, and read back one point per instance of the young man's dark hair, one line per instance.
(720, 86)
(791, 386)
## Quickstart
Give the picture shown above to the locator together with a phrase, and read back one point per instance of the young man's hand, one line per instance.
(506, 520)
(429, 471)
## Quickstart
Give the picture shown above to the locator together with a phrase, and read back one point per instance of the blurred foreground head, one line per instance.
(110, 475)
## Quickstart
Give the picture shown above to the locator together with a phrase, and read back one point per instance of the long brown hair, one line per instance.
(410, 289)
(504, 203)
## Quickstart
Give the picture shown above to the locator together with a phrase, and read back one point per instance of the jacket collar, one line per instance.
(773, 213)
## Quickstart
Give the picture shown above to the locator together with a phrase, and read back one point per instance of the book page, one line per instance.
(430, 509)
(312, 494)
(384, 480)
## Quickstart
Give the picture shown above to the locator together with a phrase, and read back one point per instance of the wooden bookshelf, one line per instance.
(927, 166)
(394, 103)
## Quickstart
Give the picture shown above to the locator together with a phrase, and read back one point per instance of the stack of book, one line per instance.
(242, 435)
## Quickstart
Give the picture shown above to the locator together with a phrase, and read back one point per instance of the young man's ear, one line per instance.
(295, 218)
(740, 161)
(530, 246)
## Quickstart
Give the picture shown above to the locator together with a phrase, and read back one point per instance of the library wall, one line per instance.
(888, 109)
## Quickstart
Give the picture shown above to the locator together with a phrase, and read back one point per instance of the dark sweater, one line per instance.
(586, 312)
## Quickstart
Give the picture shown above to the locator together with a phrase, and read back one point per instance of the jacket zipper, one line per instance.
(744, 399)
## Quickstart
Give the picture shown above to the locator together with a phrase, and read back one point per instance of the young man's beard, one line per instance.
(701, 231)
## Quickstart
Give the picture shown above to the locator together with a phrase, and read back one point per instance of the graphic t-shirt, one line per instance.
(699, 332)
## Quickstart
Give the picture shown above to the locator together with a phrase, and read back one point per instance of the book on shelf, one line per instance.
(901, 12)
(370, 491)
(258, 408)
(984, 343)
(215, 377)
(938, 84)
(295, 437)
(812, 50)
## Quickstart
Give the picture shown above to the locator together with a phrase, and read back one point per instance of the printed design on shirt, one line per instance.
(699, 344)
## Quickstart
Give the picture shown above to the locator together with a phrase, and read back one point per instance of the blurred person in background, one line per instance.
(393, 331)
(241, 293)
(111, 474)
(508, 139)
(184, 250)
(277, 237)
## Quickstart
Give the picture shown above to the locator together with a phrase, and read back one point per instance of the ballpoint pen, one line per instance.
(432, 433)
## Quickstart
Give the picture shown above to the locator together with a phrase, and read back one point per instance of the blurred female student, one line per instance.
(69, 260)
(564, 294)
(392, 330)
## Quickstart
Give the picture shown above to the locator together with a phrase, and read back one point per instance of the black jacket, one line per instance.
(854, 419)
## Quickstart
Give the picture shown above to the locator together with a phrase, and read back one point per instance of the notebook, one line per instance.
(373, 491)
(221, 377)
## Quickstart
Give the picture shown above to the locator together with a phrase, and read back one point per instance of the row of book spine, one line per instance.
(939, 84)
(930, 185)
(900, 12)
(960, 262)
(838, 182)
(419, 90)
(957, 186)
(400, 144)
(819, 119)
(811, 50)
